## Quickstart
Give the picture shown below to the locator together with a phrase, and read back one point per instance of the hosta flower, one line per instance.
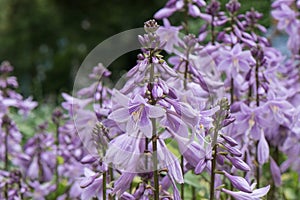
(282, 110)
(72, 104)
(205, 161)
(238, 182)
(251, 120)
(123, 183)
(173, 6)
(262, 149)
(167, 160)
(238, 163)
(275, 171)
(169, 34)
(286, 18)
(125, 152)
(91, 185)
(235, 61)
(255, 194)
(137, 113)
(40, 191)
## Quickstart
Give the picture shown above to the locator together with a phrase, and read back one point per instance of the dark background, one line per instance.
(46, 40)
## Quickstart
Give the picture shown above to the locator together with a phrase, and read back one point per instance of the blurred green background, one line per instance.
(46, 40)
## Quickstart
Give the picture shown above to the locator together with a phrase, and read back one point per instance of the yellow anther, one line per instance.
(275, 108)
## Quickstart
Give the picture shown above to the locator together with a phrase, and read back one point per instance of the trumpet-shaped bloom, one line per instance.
(235, 61)
(256, 194)
(137, 113)
(239, 183)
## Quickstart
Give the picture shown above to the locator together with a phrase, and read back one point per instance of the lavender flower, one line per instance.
(275, 171)
(238, 163)
(263, 149)
(256, 194)
(286, 18)
(239, 183)
(137, 114)
(235, 61)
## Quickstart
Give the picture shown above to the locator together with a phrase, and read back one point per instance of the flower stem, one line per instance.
(111, 173)
(181, 156)
(104, 185)
(257, 104)
(231, 91)
(212, 173)
(257, 83)
(193, 193)
(6, 132)
(154, 137)
(182, 185)
(212, 30)
(57, 154)
(155, 172)
(213, 167)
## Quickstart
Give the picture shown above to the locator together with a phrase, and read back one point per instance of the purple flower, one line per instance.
(233, 150)
(173, 6)
(40, 191)
(72, 104)
(262, 149)
(294, 40)
(239, 183)
(238, 163)
(168, 160)
(123, 183)
(256, 194)
(229, 140)
(136, 112)
(26, 106)
(92, 185)
(235, 61)
(275, 171)
(169, 34)
(205, 161)
(286, 18)
(125, 152)
(191, 150)
(278, 3)
(252, 120)
(281, 110)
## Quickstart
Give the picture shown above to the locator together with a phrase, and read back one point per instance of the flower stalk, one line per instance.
(154, 137)
(257, 104)
(6, 132)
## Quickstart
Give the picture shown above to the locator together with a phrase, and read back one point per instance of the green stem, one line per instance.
(57, 154)
(249, 94)
(104, 185)
(40, 166)
(194, 193)
(186, 15)
(257, 104)
(182, 169)
(214, 143)
(155, 172)
(111, 174)
(213, 167)
(181, 157)
(257, 168)
(212, 173)
(154, 138)
(231, 91)
(257, 83)
(6, 132)
(212, 30)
